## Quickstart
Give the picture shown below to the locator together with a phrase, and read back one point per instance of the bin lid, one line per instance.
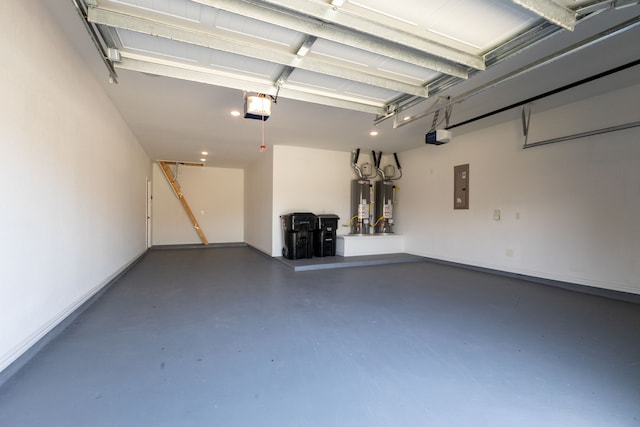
(327, 220)
(301, 214)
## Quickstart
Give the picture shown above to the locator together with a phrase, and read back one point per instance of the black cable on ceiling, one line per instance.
(549, 93)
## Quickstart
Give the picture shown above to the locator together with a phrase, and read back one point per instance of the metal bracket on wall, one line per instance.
(583, 134)
(178, 192)
(526, 120)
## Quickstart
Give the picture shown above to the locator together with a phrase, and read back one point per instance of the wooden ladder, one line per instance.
(178, 192)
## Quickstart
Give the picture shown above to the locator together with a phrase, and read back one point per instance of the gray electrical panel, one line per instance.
(461, 187)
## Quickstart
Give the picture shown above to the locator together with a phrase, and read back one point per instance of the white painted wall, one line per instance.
(215, 196)
(309, 180)
(75, 181)
(569, 211)
(258, 202)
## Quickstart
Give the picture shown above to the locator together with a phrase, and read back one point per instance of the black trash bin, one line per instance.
(324, 236)
(297, 235)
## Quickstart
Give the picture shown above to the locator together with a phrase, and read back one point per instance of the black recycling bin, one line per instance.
(324, 235)
(297, 235)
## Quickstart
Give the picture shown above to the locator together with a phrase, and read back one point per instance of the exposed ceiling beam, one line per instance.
(156, 25)
(515, 45)
(583, 44)
(335, 34)
(174, 69)
(551, 11)
(306, 45)
(284, 76)
(329, 13)
(82, 12)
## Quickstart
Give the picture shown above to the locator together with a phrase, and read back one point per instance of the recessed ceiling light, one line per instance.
(406, 118)
(204, 153)
(235, 113)
(203, 160)
(373, 133)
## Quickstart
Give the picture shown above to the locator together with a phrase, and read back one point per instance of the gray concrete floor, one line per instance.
(229, 337)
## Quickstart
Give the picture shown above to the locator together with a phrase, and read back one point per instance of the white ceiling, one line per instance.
(181, 66)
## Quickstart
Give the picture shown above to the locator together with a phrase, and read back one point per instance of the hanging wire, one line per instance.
(436, 115)
(262, 146)
(447, 115)
(434, 123)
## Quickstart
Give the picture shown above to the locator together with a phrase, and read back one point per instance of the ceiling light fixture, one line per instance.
(373, 133)
(337, 3)
(204, 153)
(203, 160)
(257, 106)
(235, 113)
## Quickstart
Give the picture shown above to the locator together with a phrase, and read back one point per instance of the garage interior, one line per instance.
(144, 281)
